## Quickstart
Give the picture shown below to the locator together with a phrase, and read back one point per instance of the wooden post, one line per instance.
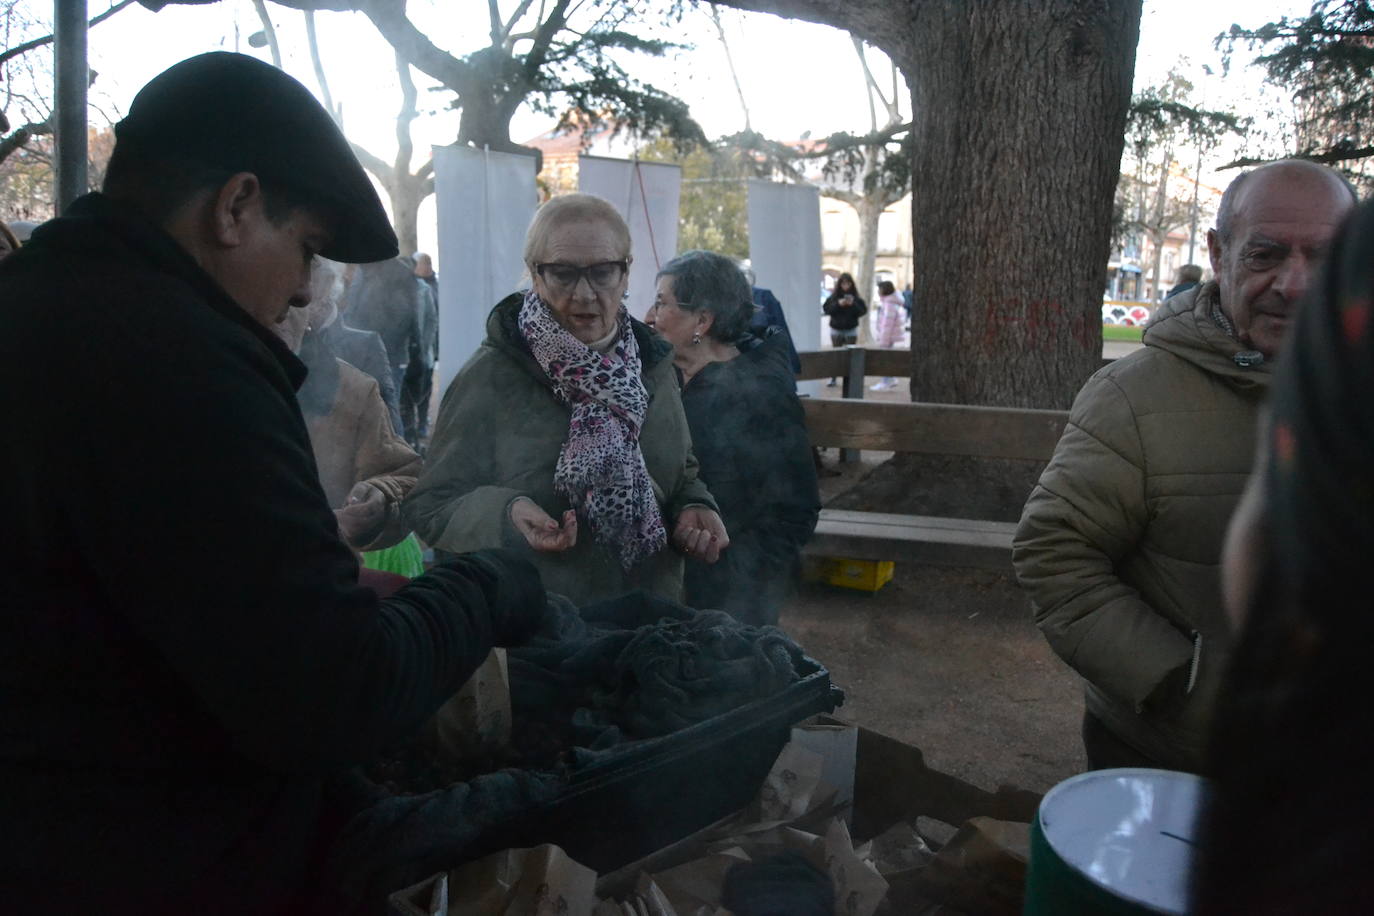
(853, 388)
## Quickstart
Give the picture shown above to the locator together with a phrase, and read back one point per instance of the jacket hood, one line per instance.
(1184, 327)
(503, 333)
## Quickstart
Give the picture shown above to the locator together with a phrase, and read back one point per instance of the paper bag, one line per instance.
(542, 881)
(476, 719)
(787, 789)
(837, 743)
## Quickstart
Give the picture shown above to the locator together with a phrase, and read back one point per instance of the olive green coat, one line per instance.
(1119, 545)
(498, 437)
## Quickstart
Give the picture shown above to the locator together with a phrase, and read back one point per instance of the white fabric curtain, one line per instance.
(484, 201)
(647, 195)
(785, 252)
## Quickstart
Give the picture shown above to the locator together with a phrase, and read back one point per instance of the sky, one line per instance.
(796, 77)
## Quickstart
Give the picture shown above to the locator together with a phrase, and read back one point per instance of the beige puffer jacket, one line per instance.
(1119, 544)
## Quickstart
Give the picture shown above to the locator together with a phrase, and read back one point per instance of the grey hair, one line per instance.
(573, 208)
(704, 280)
(1226, 210)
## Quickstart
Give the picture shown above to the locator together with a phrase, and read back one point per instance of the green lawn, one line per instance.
(1115, 332)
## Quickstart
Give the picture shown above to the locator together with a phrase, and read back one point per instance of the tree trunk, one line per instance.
(1020, 112)
(1020, 109)
(406, 196)
(870, 208)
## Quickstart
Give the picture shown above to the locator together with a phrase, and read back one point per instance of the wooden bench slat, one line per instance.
(918, 521)
(817, 364)
(934, 429)
(995, 540)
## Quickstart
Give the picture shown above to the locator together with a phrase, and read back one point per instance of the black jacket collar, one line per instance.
(96, 215)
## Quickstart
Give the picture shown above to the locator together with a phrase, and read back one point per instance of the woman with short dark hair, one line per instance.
(747, 431)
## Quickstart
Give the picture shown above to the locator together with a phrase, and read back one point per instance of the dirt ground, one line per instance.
(946, 659)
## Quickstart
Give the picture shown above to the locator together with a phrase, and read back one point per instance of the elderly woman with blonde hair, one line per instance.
(564, 435)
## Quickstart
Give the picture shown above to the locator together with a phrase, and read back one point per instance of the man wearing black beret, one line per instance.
(185, 654)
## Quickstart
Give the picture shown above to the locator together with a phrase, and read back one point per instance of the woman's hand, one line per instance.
(539, 530)
(362, 517)
(699, 533)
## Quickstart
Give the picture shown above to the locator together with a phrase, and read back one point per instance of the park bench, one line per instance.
(853, 424)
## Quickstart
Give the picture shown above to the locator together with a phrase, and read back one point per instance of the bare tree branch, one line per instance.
(47, 39)
(20, 138)
(510, 39)
(405, 147)
(389, 16)
(313, 42)
(269, 31)
(498, 32)
(730, 62)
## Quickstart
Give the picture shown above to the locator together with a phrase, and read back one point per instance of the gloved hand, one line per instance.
(515, 595)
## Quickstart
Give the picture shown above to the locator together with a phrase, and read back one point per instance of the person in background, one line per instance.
(1189, 276)
(8, 243)
(424, 353)
(891, 326)
(908, 300)
(361, 349)
(186, 658)
(385, 297)
(748, 432)
(845, 307)
(1285, 826)
(1119, 545)
(563, 436)
(768, 313)
(365, 468)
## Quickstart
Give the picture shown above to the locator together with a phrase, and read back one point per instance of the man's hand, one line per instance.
(539, 530)
(699, 533)
(362, 518)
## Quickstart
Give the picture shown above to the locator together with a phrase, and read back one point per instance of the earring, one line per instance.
(696, 338)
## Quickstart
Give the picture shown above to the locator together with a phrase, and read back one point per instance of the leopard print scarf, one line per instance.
(600, 469)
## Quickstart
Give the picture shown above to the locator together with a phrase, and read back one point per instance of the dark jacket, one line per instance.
(184, 652)
(750, 438)
(385, 297)
(844, 317)
(364, 350)
(768, 313)
(499, 435)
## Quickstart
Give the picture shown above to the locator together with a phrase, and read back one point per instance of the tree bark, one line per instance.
(1019, 115)
(870, 209)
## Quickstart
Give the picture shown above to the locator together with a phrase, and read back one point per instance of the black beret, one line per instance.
(238, 113)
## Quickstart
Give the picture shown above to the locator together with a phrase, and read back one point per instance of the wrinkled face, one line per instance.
(1282, 226)
(677, 325)
(269, 272)
(582, 274)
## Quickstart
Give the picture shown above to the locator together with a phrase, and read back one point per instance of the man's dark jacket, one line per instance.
(185, 655)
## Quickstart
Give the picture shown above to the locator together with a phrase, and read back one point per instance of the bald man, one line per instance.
(1119, 544)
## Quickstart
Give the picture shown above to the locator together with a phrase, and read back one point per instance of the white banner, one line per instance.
(785, 252)
(646, 194)
(484, 202)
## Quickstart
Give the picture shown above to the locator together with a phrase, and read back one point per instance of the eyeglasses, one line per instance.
(603, 276)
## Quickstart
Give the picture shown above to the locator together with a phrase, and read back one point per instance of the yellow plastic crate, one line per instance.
(862, 575)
